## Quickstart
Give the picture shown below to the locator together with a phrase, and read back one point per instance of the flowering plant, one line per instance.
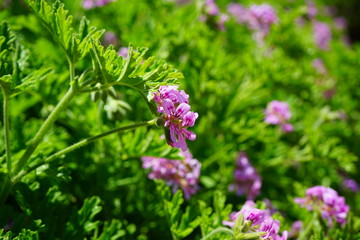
(100, 99)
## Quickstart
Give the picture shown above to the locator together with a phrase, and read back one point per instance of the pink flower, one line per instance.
(213, 15)
(247, 180)
(123, 52)
(340, 23)
(351, 185)
(238, 12)
(327, 201)
(110, 38)
(261, 17)
(260, 221)
(329, 93)
(221, 22)
(173, 104)
(88, 4)
(322, 35)
(319, 66)
(296, 227)
(211, 8)
(177, 174)
(278, 113)
(312, 10)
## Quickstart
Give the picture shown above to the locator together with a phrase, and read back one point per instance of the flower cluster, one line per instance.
(311, 9)
(340, 23)
(110, 38)
(212, 13)
(319, 66)
(247, 180)
(238, 11)
(177, 174)
(259, 18)
(327, 201)
(123, 52)
(174, 105)
(260, 221)
(211, 8)
(88, 4)
(322, 34)
(351, 185)
(278, 113)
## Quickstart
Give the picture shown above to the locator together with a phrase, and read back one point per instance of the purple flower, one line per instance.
(176, 114)
(223, 18)
(177, 174)
(319, 66)
(351, 185)
(211, 8)
(238, 12)
(110, 38)
(329, 93)
(88, 4)
(260, 221)
(278, 113)
(296, 227)
(256, 216)
(213, 15)
(322, 34)
(312, 10)
(123, 52)
(260, 18)
(340, 23)
(270, 226)
(327, 201)
(247, 180)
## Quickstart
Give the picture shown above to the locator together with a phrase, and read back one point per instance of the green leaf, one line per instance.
(27, 234)
(182, 224)
(112, 231)
(249, 236)
(81, 222)
(56, 19)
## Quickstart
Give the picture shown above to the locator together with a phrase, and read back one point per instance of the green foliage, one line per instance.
(47, 47)
(209, 219)
(81, 222)
(111, 231)
(14, 62)
(181, 223)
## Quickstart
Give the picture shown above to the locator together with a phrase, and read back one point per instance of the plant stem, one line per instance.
(106, 86)
(219, 230)
(83, 143)
(304, 234)
(44, 128)
(7, 132)
(6, 187)
(73, 80)
(92, 139)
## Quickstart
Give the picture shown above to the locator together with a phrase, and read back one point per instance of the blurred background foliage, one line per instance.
(101, 190)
